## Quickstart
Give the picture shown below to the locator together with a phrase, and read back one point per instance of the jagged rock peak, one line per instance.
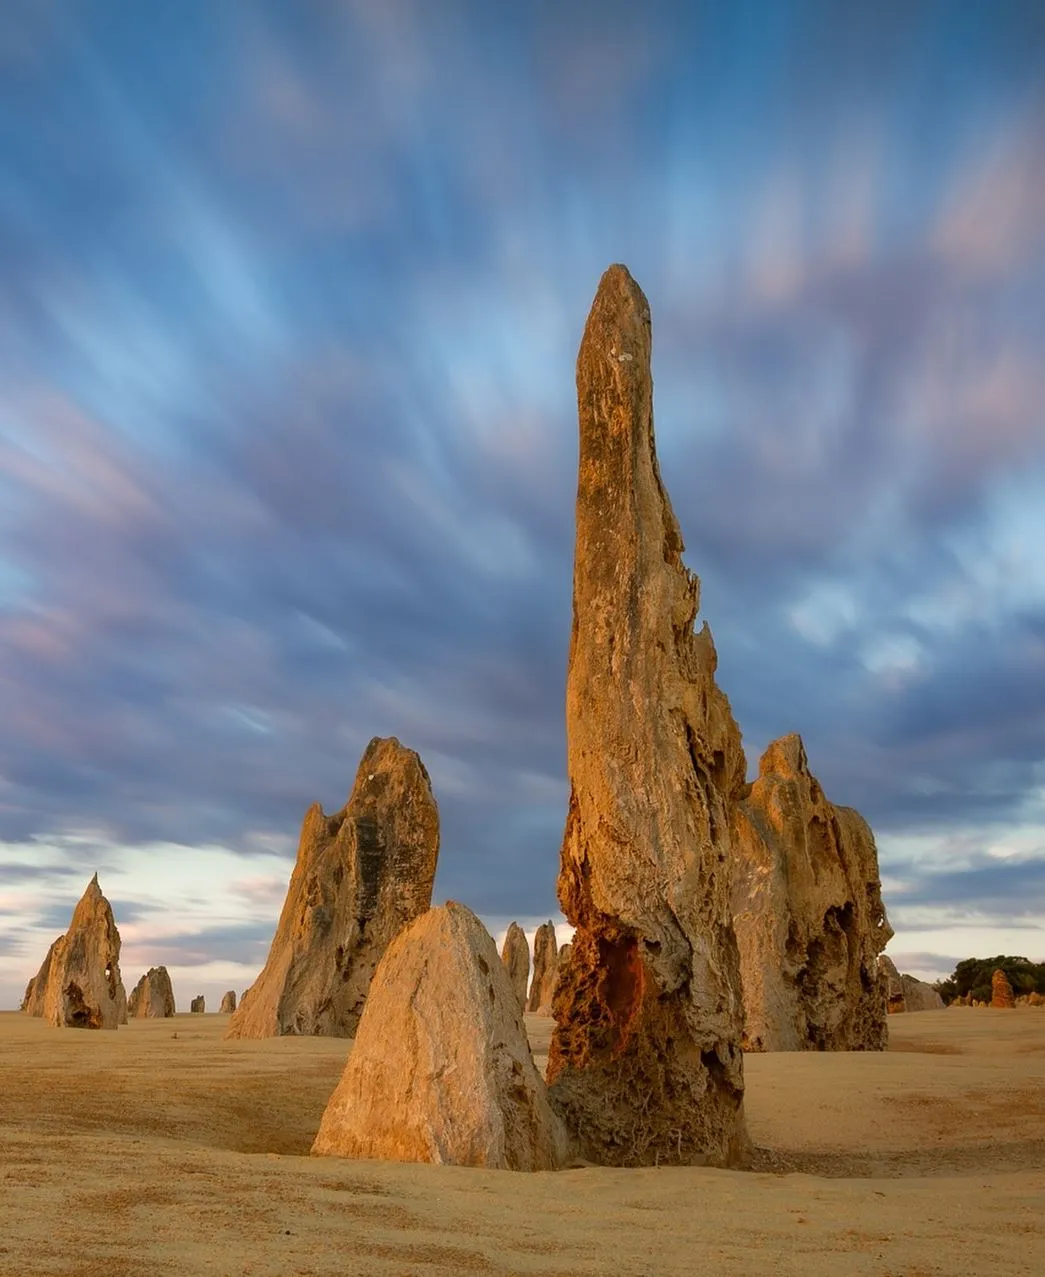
(808, 914)
(645, 1061)
(361, 875)
(79, 983)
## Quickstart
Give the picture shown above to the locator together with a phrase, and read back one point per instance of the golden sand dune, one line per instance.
(161, 1150)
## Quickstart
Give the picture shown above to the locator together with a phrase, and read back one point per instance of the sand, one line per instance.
(162, 1149)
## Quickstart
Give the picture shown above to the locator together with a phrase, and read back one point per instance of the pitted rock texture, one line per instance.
(441, 1069)
(198, 1005)
(808, 913)
(545, 962)
(645, 1062)
(152, 997)
(78, 985)
(515, 954)
(361, 876)
(228, 1002)
(1001, 990)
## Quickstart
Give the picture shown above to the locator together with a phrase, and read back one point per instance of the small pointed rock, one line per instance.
(228, 1002)
(441, 1069)
(515, 954)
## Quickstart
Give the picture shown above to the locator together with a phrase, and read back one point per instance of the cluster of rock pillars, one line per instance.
(711, 916)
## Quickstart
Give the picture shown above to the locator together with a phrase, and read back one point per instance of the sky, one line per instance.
(291, 300)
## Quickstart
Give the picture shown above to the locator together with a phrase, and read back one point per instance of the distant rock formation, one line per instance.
(545, 961)
(198, 1005)
(808, 913)
(645, 1062)
(361, 876)
(228, 1002)
(920, 996)
(441, 1069)
(515, 954)
(152, 997)
(78, 985)
(904, 992)
(1001, 990)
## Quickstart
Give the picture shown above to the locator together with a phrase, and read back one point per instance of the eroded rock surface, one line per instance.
(808, 913)
(515, 954)
(361, 876)
(153, 996)
(198, 1005)
(78, 985)
(545, 962)
(1001, 990)
(645, 1062)
(441, 1069)
(228, 1002)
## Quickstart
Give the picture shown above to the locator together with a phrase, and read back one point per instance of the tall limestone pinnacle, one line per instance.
(361, 875)
(645, 1061)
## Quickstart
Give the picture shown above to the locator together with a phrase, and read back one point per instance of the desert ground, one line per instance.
(162, 1149)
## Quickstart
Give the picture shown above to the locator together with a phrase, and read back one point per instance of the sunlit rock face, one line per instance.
(441, 1069)
(808, 913)
(361, 876)
(79, 985)
(645, 1062)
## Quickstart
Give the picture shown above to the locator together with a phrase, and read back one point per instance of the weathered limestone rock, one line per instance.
(645, 1062)
(441, 1069)
(153, 997)
(545, 962)
(515, 954)
(808, 913)
(918, 995)
(78, 985)
(1001, 990)
(892, 985)
(228, 1002)
(361, 876)
(198, 1005)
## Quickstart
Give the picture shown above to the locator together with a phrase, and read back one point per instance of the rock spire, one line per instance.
(645, 1062)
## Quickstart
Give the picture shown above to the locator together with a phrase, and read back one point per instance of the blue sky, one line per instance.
(291, 301)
